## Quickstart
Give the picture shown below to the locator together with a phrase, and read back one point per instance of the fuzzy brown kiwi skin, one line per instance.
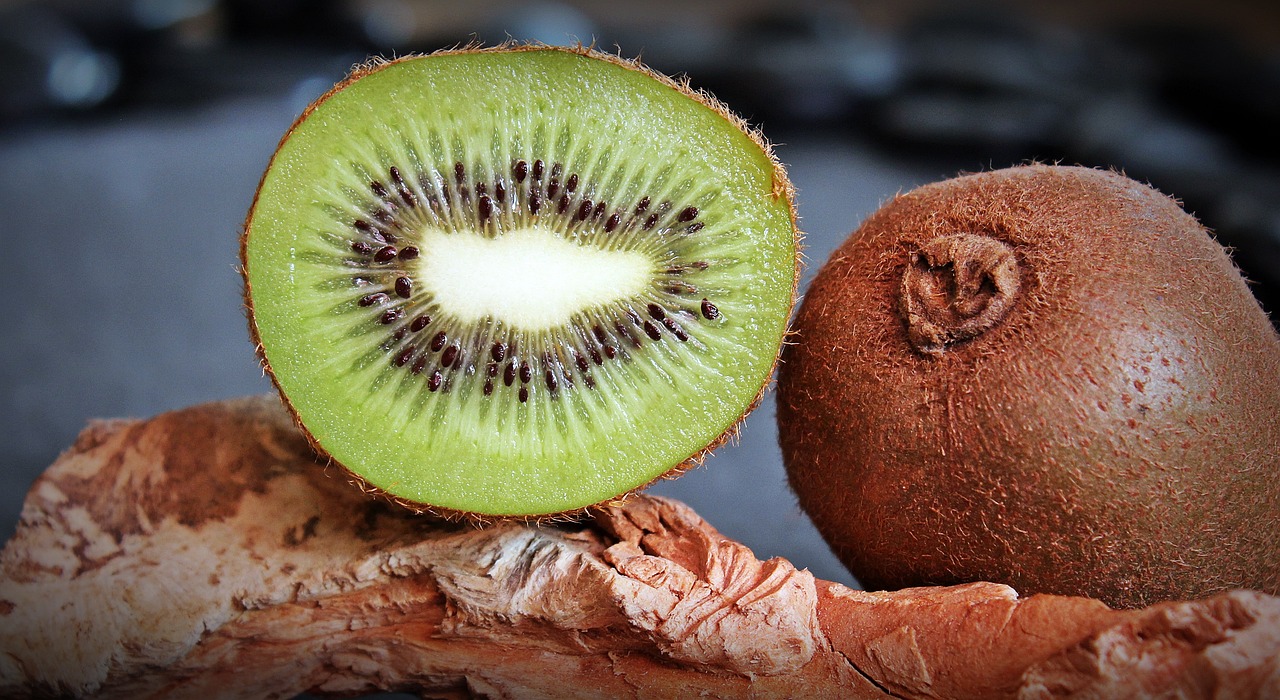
(781, 189)
(1116, 434)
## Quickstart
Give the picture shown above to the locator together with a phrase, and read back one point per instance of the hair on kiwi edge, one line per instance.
(782, 188)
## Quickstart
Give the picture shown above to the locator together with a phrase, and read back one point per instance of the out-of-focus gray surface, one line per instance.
(126, 298)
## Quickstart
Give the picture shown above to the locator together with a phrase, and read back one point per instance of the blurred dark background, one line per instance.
(133, 134)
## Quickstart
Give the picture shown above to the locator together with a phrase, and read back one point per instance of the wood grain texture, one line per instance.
(204, 553)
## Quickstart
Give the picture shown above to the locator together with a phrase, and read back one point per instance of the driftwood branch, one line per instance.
(203, 553)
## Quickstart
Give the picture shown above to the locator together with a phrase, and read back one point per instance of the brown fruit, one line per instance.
(1044, 376)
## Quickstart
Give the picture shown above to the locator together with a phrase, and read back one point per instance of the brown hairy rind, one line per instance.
(782, 189)
(203, 554)
(1114, 433)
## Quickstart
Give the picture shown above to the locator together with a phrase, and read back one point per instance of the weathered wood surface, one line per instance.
(204, 553)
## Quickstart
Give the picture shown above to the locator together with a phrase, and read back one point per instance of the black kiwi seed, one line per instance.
(709, 310)
(406, 195)
(433, 383)
(447, 357)
(385, 254)
(526, 373)
(409, 253)
(404, 287)
(652, 330)
(392, 315)
(498, 351)
(419, 323)
(509, 374)
(404, 356)
(675, 329)
(438, 341)
(626, 333)
(371, 299)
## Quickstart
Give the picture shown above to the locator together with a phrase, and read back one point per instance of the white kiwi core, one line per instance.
(532, 278)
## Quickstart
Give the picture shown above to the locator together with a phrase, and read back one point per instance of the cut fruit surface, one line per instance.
(519, 281)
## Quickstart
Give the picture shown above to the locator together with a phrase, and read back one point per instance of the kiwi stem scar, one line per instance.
(955, 288)
(478, 278)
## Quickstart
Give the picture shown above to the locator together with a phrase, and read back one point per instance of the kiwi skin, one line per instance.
(781, 189)
(1115, 433)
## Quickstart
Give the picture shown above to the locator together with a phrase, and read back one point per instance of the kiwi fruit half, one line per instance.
(1051, 377)
(519, 280)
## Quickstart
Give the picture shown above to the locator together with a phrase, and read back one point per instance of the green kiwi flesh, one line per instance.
(518, 281)
(1051, 377)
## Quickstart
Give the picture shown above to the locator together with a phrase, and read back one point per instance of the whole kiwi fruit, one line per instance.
(519, 280)
(1051, 377)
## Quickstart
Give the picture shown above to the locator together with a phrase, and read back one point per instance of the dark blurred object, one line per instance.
(51, 64)
(975, 81)
(1216, 80)
(814, 67)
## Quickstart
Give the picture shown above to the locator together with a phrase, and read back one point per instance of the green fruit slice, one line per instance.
(519, 281)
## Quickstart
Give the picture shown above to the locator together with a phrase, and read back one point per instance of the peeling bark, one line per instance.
(204, 553)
